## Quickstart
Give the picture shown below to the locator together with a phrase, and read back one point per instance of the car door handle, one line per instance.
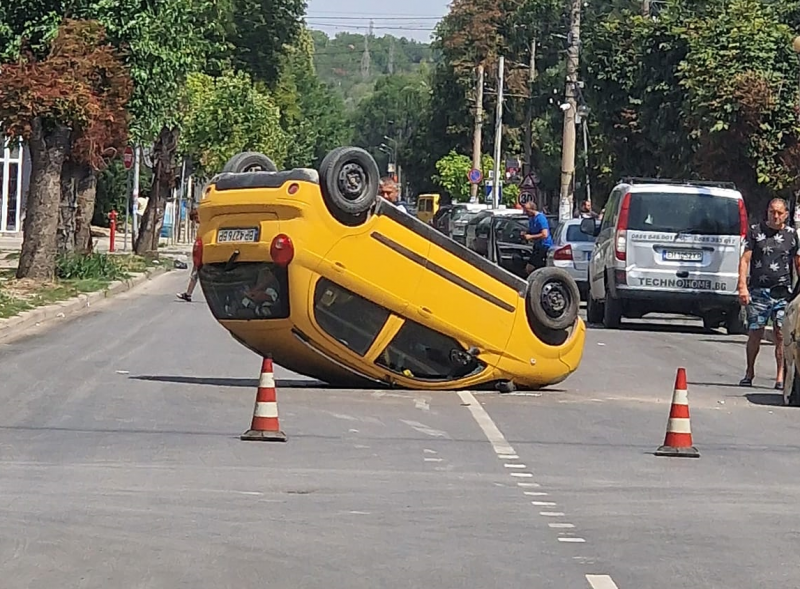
(425, 311)
(682, 274)
(339, 267)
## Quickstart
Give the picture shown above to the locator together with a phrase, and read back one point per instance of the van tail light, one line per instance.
(743, 225)
(621, 238)
(282, 250)
(563, 253)
(197, 253)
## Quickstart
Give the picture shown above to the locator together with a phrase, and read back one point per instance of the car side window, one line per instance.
(610, 217)
(511, 231)
(347, 317)
(421, 353)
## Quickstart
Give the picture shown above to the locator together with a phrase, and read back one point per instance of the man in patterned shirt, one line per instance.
(770, 249)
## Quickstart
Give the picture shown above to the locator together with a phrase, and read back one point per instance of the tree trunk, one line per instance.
(163, 181)
(68, 204)
(86, 197)
(48, 148)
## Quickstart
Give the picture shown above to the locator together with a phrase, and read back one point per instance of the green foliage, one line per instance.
(92, 266)
(452, 170)
(226, 115)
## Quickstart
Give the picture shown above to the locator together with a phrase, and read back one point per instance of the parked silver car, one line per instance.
(572, 250)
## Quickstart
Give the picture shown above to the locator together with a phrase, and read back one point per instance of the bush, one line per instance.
(92, 266)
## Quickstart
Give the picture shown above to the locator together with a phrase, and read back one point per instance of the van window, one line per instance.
(421, 353)
(701, 214)
(350, 319)
(246, 291)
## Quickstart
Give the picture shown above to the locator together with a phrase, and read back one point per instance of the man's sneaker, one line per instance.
(185, 297)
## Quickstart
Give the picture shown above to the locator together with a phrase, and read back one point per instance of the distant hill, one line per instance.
(338, 61)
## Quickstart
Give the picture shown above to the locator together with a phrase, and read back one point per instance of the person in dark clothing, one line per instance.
(770, 248)
(539, 234)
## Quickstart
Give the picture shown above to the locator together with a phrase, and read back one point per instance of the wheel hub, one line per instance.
(352, 180)
(554, 299)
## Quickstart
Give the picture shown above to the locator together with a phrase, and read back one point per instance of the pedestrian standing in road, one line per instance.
(187, 295)
(539, 235)
(388, 190)
(770, 248)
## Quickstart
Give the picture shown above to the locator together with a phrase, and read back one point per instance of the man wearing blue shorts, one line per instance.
(770, 248)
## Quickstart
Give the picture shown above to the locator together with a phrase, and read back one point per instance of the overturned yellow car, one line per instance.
(340, 285)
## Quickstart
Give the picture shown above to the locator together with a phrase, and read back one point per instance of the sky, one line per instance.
(414, 19)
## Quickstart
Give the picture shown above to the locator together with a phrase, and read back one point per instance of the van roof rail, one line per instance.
(636, 180)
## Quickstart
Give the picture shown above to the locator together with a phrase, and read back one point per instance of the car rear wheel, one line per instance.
(249, 161)
(554, 298)
(349, 179)
(594, 309)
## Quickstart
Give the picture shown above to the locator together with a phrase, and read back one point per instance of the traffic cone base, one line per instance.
(678, 441)
(265, 426)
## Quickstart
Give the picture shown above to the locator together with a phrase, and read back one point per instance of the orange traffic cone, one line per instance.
(265, 426)
(678, 441)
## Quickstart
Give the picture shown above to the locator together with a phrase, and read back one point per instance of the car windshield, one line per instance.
(575, 235)
(697, 213)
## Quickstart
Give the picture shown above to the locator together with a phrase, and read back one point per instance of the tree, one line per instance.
(452, 174)
(226, 115)
(72, 101)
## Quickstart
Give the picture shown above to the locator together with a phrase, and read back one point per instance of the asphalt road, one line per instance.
(120, 466)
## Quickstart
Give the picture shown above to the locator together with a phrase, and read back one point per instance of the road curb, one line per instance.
(16, 326)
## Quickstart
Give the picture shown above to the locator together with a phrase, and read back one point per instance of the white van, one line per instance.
(667, 246)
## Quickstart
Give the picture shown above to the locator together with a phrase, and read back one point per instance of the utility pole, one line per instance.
(586, 159)
(365, 58)
(498, 133)
(646, 8)
(529, 114)
(477, 132)
(391, 56)
(567, 192)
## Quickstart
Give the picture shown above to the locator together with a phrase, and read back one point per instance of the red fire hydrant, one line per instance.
(112, 216)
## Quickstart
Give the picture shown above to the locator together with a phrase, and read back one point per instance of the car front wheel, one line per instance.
(553, 298)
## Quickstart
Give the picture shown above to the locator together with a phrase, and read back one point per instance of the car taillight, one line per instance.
(293, 188)
(282, 250)
(197, 252)
(563, 253)
(620, 238)
(742, 219)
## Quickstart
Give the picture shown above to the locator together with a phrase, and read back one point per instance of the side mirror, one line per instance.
(590, 227)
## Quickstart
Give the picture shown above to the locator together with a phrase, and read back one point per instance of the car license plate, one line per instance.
(229, 235)
(682, 256)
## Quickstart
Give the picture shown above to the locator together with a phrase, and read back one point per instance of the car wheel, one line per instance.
(594, 310)
(736, 322)
(249, 161)
(612, 311)
(349, 180)
(554, 298)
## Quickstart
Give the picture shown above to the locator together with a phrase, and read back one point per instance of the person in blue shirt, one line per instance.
(539, 235)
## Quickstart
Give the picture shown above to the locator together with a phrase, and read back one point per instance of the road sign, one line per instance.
(127, 157)
(529, 183)
(526, 196)
(475, 176)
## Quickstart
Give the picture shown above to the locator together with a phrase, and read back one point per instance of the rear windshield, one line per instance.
(248, 290)
(575, 235)
(701, 214)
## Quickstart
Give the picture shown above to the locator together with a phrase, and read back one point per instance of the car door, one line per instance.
(511, 250)
(604, 246)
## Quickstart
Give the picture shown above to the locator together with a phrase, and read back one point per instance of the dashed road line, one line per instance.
(434, 459)
(544, 503)
(536, 494)
(522, 475)
(551, 513)
(572, 540)
(515, 466)
(560, 526)
(601, 582)
(527, 484)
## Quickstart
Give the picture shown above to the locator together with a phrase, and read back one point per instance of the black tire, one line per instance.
(249, 161)
(612, 311)
(349, 180)
(553, 298)
(594, 310)
(736, 322)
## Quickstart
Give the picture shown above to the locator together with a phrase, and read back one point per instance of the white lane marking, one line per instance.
(429, 451)
(572, 540)
(422, 404)
(544, 503)
(524, 484)
(515, 466)
(494, 435)
(560, 526)
(601, 582)
(536, 493)
(522, 475)
(424, 429)
(433, 459)
(552, 513)
(508, 456)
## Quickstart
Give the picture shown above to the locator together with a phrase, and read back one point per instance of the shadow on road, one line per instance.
(733, 385)
(768, 399)
(250, 383)
(655, 328)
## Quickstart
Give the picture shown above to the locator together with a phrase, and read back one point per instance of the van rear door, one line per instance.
(683, 239)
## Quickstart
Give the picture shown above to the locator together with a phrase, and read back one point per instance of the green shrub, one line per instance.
(92, 266)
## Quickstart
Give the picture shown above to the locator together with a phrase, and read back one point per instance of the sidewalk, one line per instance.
(101, 244)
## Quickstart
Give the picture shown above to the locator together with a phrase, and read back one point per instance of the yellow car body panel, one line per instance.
(390, 263)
